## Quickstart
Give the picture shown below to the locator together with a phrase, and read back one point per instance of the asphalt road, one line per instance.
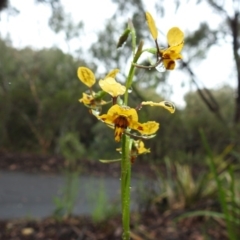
(31, 195)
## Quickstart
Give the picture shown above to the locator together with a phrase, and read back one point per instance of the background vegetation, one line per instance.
(39, 92)
(39, 95)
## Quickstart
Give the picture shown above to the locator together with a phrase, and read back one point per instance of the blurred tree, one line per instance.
(53, 3)
(40, 90)
(62, 22)
(204, 37)
(3, 4)
(105, 52)
(196, 116)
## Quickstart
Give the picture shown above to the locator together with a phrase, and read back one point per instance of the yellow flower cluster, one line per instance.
(121, 118)
(124, 119)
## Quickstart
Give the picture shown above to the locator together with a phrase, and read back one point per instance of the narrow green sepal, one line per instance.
(137, 136)
(123, 38)
(151, 50)
(110, 161)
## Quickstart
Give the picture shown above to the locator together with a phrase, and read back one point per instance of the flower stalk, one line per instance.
(126, 149)
(126, 185)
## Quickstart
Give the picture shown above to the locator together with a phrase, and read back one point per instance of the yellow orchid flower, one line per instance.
(137, 149)
(175, 38)
(90, 101)
(86, 99)
(122, 117)
(112, 87)
(86, 76)
(139, 144)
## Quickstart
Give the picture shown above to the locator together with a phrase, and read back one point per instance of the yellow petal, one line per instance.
(127, 112)
(108, 119)
(165, 104)
(135, 125)
(173, 52)
(86, 76)
(112, 87)
(175, 36)
(151, 25)
(113, 73)
(149, 127)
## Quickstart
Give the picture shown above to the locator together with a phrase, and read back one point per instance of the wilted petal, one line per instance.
(165, 104)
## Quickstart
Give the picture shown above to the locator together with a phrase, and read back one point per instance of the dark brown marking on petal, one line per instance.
(121, 123)
(170, 65)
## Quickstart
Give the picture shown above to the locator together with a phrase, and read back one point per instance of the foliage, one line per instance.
(227, 194)
(38, 89)
(218, 131)
(180, 188)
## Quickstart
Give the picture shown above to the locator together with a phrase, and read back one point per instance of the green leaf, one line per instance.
(110, 161)
(201, 213)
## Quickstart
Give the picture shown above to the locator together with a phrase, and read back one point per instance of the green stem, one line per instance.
(129, 83)
(126, 150)
(126, 169)
(125, 185)
(130, 77)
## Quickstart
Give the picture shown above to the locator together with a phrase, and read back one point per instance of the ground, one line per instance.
(147, 225)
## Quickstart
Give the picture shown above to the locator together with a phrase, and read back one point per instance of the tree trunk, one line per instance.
(234, 24)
